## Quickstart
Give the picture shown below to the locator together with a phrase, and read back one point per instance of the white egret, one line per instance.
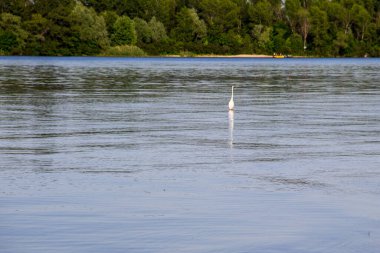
(231, 104)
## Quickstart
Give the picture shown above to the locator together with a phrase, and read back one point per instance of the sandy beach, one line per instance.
(238, 56)
(222, 56)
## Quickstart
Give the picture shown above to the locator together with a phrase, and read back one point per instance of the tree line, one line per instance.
(156, 27)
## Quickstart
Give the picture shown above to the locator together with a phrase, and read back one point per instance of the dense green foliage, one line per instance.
(95, 27)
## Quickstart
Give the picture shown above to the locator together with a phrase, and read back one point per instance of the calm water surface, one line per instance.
(142, 155)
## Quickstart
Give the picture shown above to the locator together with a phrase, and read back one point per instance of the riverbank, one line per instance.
(237, 56)
(220, 56)
(231, 56)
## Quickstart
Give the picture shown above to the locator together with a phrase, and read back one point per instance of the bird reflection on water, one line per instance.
(231, 127)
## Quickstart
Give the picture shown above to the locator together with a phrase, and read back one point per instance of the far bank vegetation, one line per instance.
(325, 28)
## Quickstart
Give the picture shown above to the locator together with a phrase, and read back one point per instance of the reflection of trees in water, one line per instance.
(55, 79)
(23, 79)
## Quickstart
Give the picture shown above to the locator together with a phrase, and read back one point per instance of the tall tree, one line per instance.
(143, 31)
(38, 28)
(262, 38)
(58, 39)
(340, 14)
(261, 12)
(361, 20)
(304, 24)
(319, 25)
(12, 35)
(189, 26)
(90, 28)
(158, 30)
(124, 32)
(292, 8)
(220, 17)
(110, 18)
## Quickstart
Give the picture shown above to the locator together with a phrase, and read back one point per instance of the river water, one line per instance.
(142, 155)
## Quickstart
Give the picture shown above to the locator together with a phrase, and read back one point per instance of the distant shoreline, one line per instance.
(153, 56)
(220, 56)
(263, 56)
(227, 56)
(237, 56)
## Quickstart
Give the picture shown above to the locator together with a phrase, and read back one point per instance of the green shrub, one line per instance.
(186, 54)
(124, 50)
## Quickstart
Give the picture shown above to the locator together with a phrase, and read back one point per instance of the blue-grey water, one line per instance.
(142, 155)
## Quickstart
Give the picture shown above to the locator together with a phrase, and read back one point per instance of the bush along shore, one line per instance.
(321, 28)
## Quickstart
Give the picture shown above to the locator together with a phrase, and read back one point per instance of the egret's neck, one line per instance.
(232, 95)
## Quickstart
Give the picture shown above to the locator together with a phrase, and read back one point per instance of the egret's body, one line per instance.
(231, 104)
